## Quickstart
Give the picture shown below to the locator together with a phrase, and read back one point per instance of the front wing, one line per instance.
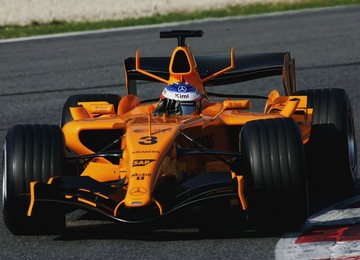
(86, 193)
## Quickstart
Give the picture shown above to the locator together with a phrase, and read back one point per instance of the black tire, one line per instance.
(275, 175)
(331, 151)
(31, 153)
(72, 101)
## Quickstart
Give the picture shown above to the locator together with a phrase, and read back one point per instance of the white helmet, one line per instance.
(179, 99)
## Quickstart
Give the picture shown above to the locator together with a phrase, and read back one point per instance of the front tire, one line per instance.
(31, 153)
(276, 174)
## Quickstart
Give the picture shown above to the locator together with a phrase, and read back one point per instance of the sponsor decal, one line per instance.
(140, 176)
(97, 108)
(143, 162)
(182, 88)
(146, 151)
(182, 96)
(156, 131)
(140, 130)
(138, 191)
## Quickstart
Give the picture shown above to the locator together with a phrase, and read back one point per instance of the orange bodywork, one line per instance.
(149, 142)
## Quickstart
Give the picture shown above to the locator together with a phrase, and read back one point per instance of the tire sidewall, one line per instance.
(31, 153)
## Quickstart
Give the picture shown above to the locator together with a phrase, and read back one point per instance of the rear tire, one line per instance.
(72, 101)
(331, 151)
(276, 175)
(31, 153)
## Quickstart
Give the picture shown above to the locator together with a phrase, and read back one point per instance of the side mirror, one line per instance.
(236, 104)
(233, 104)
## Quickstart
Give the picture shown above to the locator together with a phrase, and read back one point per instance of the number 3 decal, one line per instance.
(148, 140)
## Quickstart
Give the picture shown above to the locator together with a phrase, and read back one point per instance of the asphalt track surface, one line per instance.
(36, 77)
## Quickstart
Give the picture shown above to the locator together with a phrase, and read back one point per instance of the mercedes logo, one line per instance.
(138, 191)
(182, 89)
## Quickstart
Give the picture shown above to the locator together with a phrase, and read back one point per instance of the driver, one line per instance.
(179, 99)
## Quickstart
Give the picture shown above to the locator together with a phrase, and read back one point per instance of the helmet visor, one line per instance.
(187, 108)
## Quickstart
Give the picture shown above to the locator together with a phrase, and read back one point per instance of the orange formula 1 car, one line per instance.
(138, 161)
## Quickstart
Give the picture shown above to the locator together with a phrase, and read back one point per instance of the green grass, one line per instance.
(234, 10)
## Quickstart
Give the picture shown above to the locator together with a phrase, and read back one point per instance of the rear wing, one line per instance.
(247, 67)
